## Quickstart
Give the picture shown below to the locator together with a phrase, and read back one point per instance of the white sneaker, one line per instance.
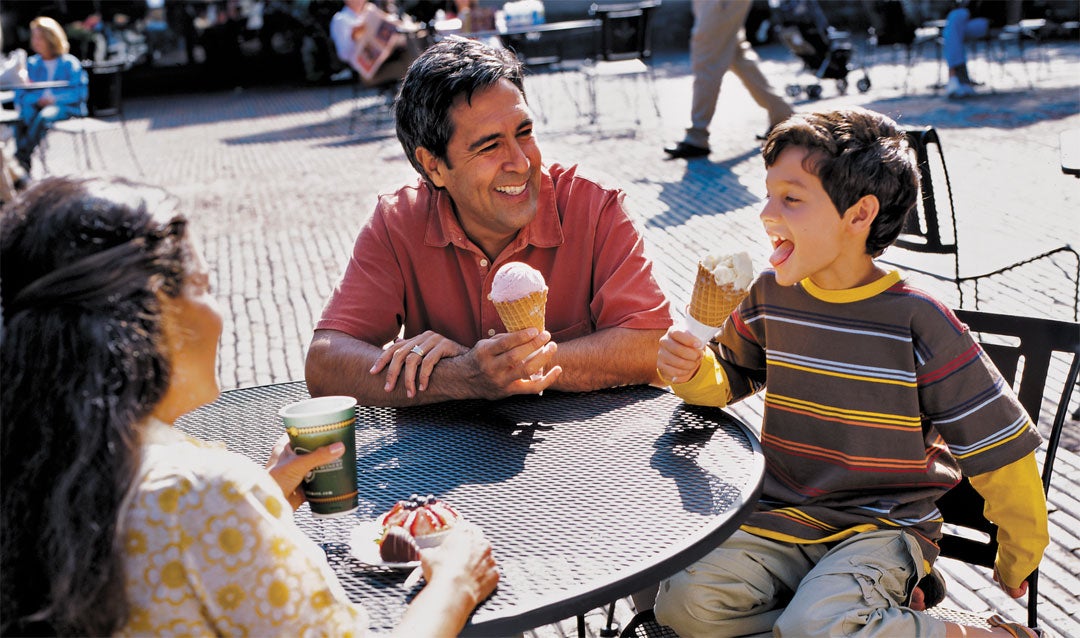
(956, 89)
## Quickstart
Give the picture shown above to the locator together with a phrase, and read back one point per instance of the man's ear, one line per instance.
(862, 213)
(431, 165)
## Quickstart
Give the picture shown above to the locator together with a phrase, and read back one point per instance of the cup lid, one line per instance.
(317, 411)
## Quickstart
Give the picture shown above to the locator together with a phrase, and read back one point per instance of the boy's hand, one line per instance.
(1013, 592)
(679, 356)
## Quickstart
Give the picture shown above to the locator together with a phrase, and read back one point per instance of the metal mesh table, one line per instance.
(586, 497)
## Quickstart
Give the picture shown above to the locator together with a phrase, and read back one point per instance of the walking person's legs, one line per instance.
(712, 49)
(746, 66)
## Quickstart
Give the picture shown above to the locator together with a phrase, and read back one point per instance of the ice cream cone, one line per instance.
(524, 312)
(712, 303)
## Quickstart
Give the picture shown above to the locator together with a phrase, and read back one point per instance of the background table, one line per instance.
(33, 86)
(586, 497)
(542, 44)
(590, 24)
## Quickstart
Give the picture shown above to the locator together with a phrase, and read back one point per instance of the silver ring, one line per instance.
(417, 350)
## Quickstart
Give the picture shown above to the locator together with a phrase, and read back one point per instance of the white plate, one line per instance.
(362, 547)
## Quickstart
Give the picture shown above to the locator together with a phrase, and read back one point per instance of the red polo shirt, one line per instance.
(412, 265)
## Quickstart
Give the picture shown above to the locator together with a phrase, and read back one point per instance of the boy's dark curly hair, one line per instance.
(855, 152)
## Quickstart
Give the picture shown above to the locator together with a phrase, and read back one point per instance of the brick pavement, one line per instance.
(278, 189)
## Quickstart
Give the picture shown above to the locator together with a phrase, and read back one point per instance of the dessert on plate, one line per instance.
(398, 546)
(425, 518)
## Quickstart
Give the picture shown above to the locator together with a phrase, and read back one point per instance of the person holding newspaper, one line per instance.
(371, 41)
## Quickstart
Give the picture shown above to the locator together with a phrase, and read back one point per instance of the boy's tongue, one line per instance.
(782, 252)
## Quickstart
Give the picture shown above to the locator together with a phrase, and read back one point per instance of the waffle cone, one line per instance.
(525, 312)
(711, 303)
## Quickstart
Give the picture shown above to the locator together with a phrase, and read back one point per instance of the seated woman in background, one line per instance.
(111, 521)
(40, 107)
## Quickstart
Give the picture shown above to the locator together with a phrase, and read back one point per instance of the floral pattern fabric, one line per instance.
(211, 549)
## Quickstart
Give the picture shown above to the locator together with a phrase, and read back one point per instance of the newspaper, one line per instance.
(376, 41)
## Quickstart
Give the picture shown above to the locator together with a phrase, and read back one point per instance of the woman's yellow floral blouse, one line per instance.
(211, 549)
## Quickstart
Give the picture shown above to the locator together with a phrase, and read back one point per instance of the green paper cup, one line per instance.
(312, 423)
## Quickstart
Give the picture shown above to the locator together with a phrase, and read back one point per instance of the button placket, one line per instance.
(488, 316)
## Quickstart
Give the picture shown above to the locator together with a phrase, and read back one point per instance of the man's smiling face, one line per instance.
(492, 170)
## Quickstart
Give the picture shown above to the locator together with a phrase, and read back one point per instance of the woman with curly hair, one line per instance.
(111, 521)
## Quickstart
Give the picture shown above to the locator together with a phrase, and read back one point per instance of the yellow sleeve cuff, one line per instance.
(1015, 502)
(709, 386)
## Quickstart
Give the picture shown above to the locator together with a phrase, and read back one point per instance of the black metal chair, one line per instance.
(930, 230)
(624, 48)
(644, 625)
(1029, 361)
(105, 116)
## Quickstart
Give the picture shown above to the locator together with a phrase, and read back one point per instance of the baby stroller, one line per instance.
(802, 27)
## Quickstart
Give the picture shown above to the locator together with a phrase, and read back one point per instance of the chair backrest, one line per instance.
(625, 30)
(645, 625)
(105, 95)
(1030, 357)
(931, 227)
(922, 231)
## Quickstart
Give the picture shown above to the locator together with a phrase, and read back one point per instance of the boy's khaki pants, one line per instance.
(740, 589)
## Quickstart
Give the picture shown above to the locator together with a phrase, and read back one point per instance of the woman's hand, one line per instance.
(289, 468)
(460, 574)
(679, 356)
(464, 556)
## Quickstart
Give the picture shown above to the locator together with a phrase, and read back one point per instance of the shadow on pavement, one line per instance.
(706, 188)
(1006, 110)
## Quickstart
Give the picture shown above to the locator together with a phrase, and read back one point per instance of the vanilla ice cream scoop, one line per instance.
(735, 269)
(722, 282)
(515, 280)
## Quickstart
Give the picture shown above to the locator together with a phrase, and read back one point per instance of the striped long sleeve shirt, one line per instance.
(877, 399)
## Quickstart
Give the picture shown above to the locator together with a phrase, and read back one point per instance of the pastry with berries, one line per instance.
(426, 518)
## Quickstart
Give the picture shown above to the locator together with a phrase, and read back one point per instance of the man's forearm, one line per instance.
(608, 358)
(340, 364)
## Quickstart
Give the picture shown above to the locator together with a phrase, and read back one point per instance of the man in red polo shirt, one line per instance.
(425, 259)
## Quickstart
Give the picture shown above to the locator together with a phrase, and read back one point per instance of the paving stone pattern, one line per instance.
(277, 188)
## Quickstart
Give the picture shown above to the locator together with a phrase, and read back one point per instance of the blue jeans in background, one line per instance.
(960, 26)
(33, 126)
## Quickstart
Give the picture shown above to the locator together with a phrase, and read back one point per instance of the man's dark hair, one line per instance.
(855, 152)
(451, 68)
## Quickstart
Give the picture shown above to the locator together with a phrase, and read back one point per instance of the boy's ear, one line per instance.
(430, 163)
(862, 213)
